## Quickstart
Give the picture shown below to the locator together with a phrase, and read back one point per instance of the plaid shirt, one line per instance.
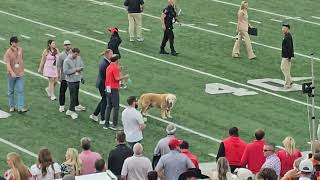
(274, 163)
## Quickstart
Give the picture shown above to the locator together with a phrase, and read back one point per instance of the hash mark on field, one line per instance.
(211, 24)
(2, 39)
(146, 29)
(24, 36)
(232, 23)
(50, 35)
(276, 20)
(70, 32)
(212, 155)
(315, 17)
(122, 31)
(98, 32)
(258, 22)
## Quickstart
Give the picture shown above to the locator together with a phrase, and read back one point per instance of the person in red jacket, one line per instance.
(184, 147)
(253, 157)
(288, 155)
(232, 149)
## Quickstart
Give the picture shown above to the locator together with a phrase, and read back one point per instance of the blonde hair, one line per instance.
(73, 159)
(19, 170)
(289, 145)
(242, 5)
(222, 168)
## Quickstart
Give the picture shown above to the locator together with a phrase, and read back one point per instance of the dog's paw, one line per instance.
(170, 117)
(163, 117)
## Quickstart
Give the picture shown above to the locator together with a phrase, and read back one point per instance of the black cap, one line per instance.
(286, 25)
(193, 172)
(13, 39)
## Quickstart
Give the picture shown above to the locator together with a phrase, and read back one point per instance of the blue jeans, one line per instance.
(16, 85)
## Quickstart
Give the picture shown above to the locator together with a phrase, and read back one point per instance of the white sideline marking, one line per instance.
(122, 30)
(3, 39)
(276, 20)
(315, 17)
(258, 22)
(124, 106)
(233, 23)
(146, 29)
(174, 64)
(212, 155)
(202, 29)
(50, 35)
(24, 36)
(18, 147)
(301, 78)
(268, 12)
(98, 32)
(211, 24)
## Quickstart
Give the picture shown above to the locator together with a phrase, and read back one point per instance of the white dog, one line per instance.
(163, 101)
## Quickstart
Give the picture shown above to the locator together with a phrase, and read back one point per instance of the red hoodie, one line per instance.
(234, 148)
(253, 156)
(287, 160)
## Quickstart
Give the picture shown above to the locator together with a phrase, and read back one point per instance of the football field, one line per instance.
(204, 40)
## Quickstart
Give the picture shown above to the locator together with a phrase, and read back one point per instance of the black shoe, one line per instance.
(23, 110)
(174, 53)
(162, 51)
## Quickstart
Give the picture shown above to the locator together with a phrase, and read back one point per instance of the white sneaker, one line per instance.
(53, 98)
(47, 90)
(140, 39)
(80, 108)
(61, 109)
(12, 109)
(74, 115)
(131, 40)
(94, 118)
(68, 113)
(102, 122)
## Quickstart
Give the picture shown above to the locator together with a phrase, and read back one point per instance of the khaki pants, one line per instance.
(135, 25)
(236, 48)
(286, 68)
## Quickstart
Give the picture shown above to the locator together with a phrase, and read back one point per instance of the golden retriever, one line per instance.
(163, 101)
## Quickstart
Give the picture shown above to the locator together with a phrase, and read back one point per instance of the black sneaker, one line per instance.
(174, 53)
(162, 51)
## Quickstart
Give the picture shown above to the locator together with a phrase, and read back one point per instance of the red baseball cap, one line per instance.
(113, 29)
(174, 142)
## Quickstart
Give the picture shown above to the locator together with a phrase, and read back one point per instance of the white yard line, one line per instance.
(258, 22)
(232, 23)
(315, 17)
(50, 35)
(146, 29)
(211, 24)
(98, 32)
(268, 12)
(206, 30)
(122, 30)
(276, 20)
(172, 63)
(18, 147)
(24, 36)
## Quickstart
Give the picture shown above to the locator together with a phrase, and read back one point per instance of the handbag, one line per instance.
(253, 31)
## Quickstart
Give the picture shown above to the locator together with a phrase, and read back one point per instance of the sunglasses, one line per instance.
(266, 150)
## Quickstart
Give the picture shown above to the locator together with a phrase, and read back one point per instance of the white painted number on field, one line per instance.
(217, 88)
(273, 84)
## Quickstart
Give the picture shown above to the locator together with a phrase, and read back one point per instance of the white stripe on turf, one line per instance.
(50, 35)
(3, 39)
(146, 29)
(24, 36)
(315, 17)
(258, 22)
(211, 24)
(230, 22)
(276, 20)
(98, 32)
(122, 30)
(18, 147)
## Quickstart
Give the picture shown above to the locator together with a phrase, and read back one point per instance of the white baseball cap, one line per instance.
(306, 166)
(244, 174)
(66, 42)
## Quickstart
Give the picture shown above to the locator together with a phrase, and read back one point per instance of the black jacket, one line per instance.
(116, 158)
(287, 46)
(114, 43)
